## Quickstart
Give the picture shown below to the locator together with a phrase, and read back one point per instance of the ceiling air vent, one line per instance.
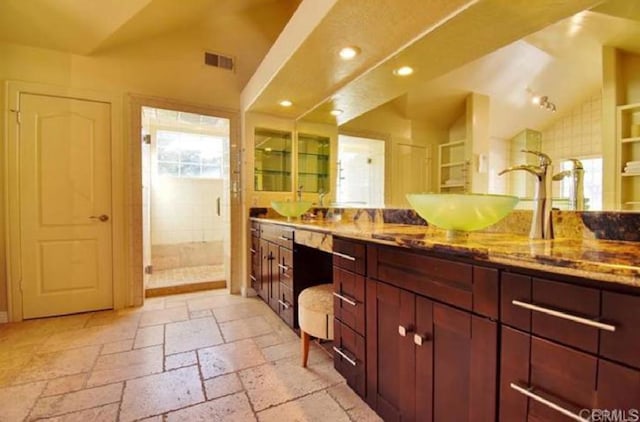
(218, 60)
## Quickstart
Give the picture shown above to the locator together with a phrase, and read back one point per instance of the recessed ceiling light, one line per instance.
(535, 99)
(286, 103)
(349, 53)
(403, 71)
(336, 112)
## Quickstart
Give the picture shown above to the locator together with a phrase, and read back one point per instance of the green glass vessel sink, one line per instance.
(461, 212)
(291, 209)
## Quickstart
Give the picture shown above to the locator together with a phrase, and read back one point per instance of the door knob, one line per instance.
(102, 217)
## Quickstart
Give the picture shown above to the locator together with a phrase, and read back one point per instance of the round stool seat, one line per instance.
(315, 311)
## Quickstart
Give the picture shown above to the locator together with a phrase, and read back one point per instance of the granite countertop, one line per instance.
(600, 260)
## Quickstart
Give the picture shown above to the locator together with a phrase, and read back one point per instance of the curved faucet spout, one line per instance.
(531, 169)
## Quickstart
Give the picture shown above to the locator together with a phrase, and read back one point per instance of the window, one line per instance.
(184, 154)
(592, 182)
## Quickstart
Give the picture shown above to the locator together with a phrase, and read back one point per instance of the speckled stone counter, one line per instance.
(600, 260)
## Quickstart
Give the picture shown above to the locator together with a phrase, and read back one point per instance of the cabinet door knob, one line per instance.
(403, 331)
(419, 339)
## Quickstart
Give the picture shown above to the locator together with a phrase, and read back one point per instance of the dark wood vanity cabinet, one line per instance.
(273, 268)
(567, 349)
(349, 330)
(255, 257)
(427, 360)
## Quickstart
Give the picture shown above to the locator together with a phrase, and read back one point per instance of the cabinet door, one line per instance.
(390, 351)
(265, 271)
(256, 260)
(423, 340)
(464, 366)
(543, 380)
(273, 285)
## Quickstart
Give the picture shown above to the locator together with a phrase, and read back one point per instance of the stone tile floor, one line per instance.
(185, 275)
(205, 356)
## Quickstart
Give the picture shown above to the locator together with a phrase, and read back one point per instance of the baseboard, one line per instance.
(4, 317)
(185, 288)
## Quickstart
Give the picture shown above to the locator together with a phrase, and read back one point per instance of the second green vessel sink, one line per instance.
(462, 211)
(291, 209)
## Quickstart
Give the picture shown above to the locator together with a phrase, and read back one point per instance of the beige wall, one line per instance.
(166, 67)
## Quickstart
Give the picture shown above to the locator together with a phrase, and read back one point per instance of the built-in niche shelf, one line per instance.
(452, 166)
(628, 135)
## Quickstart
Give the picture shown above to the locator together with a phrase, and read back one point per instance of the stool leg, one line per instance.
(305, 347)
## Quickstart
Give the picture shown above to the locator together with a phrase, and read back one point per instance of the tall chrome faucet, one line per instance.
(541, 225)
(576, 201)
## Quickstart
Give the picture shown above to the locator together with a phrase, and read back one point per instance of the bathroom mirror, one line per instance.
(559, 85)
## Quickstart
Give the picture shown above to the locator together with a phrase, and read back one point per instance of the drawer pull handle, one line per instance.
(253, 230)
(284, 304)
(253, 251)
(419, 339)
(345, 256)
(284, 238)
(345, 299)
(344, 356)
(563, 315)
(285, 275)
(529, 392)
(252, 278)
(283, 267)
(403, 331)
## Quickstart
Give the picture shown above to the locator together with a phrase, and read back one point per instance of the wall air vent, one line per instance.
(218, 60)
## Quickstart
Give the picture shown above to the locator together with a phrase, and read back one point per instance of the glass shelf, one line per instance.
(273, 160)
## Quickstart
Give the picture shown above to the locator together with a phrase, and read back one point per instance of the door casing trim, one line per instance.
(135, 102)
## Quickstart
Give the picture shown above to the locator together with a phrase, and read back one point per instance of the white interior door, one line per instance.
(65, 205)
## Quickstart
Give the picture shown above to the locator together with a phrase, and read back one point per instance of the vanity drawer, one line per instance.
(558, 311)
(348, 299)
(286, 307)
(448, 281)
(254, 228)
(349, 255)
(349, 356)
(280, 235)
(623, 312)
(285, 267)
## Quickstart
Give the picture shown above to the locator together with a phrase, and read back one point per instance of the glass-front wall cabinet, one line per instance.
(272, 170)
(313, 163)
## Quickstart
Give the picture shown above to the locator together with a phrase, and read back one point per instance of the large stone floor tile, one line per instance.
(108, 413)
(244, 328)
(222, 386)
(57, 364)
(160, 393)
(234, 408)
(91, 336)
(126, 365)
(78, 400)
(278, 382)
(316, 407)
(242, 310)
(190, 335)
(164, 316)
(17, 401)
(149, 336)
(229, 357)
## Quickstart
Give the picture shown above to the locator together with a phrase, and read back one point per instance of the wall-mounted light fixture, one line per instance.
(543, 102)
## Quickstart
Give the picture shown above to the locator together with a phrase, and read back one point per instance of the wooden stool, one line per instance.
(315, 315)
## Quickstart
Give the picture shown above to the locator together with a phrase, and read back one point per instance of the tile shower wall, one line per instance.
(576, 135)
(185, 227)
